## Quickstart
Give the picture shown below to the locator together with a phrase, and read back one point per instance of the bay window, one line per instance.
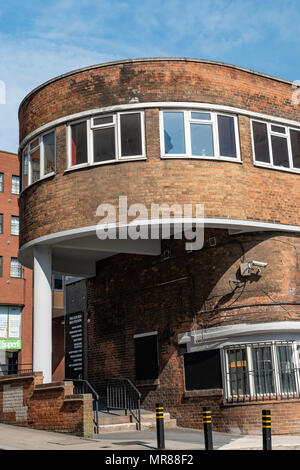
(261, 370)
(107, 138)
(38, 159)
(276, 145)
(199, 134)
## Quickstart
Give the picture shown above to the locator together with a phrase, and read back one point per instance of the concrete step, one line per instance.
(116, 427)
(168, 424)
(109, 422)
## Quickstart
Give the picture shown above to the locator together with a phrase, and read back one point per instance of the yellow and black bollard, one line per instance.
(207, 426)
(266, 429)
(160, 426)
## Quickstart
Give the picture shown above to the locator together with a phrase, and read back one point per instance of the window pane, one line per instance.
(57, 282)
(79, 143)
(146, 357)
(295, 142)
(104, 144)
(203, 116)
(1, 266)
(263, 370)
(16, 269)
(14, 225)
(35, 164)
(1, 182)
(103, 120)
(227, 141)
(1, 223)
(280, 151)
(238, 372)
(202, 140)
(15, 184)
(25, 170)
(131, 138)
(261, 144)
(49, 153)
(286, 370)
(174, 133)
(278, 129)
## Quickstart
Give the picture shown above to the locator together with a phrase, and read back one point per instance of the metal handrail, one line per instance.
(122, 394)
(80, 389)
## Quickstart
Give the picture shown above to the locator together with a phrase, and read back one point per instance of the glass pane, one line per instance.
(295, 142)
(14, 225)
(202, 116)
(261, 144)
(104, 144)
(280, 151)
(1, 182)
(286, 370)
(278, 129)
(174, 133)
(131, 137)
(238, 372)
(263, 370)
(34, 143)
(49, 153)
(226, 136)
(1, 223)
(25, 170)
(35, 165)
(202, 140)
(15, 184)
(79, 143)
(103, 120)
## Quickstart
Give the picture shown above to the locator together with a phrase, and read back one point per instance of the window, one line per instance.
(38, 159)
(276, 146)
(15, 184)
(1, 223)
(1, 182)
(203, 370)
(57, 282)
(146, 356)
(262, 370)
(14, 225)
(1, 266)
(16, 269)
(107, 138)
(199, 134)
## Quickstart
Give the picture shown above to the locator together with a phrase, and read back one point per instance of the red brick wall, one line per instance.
(228, 190)
(140, 294)
(14, 291)
(25, 401)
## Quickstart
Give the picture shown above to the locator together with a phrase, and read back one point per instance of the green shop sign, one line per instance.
(10, 344)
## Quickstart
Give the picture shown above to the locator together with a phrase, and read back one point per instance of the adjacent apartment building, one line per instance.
(15, 280)
(217, 326)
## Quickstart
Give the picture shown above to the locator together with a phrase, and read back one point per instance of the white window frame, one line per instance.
(19, 267)
(91, 126)
(213, 122)
(1, 182)
(31, 150)
(270, 132)
(274, 345)
(11, 224)
(12, 184)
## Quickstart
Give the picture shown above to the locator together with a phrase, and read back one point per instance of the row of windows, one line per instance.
(15, 184)
(16, 269)
(14, 224)
(191, 134)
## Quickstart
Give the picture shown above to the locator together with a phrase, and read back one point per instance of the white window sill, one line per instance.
(212, 159)
(50, 175)
(278, 168)
(108, 162)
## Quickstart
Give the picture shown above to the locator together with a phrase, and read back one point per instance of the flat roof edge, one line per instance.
(150, 59)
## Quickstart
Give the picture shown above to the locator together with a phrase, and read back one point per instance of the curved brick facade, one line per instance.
(135, 294)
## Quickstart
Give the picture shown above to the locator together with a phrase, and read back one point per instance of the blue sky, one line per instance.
(41, 39)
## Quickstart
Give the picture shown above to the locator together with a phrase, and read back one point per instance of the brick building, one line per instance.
(15, 281)
(215, 326)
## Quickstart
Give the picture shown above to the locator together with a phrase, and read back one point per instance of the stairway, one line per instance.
(118, 421)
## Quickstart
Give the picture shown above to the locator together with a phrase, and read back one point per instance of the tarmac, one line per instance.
(13, 438)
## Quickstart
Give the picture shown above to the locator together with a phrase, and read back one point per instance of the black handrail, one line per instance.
(123, 395)
(81, 387)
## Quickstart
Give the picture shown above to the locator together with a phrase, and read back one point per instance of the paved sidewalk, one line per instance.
(18, 438)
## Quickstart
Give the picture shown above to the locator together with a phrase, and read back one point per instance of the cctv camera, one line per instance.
(259, 263)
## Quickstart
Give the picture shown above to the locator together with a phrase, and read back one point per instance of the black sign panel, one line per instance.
(75, 331)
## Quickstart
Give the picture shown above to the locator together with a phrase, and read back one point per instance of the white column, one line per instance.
(42, 313)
